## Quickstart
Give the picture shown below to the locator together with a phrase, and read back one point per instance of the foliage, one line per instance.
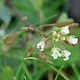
(16, 43)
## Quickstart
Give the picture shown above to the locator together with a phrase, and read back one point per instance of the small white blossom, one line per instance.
(62, 38)
(65, 54)
(57, 40)
(53, 33)
(56, 37)
(41, 45)
(72, 40)
(56, 53)
(64, 30)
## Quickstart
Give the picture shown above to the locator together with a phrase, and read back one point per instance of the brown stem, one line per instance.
(79, 39)
(45, 25)
(18, 13)
(50, 75)
(61, 24)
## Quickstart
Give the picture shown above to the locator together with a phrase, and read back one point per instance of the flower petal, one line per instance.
(72, 40)
(64, 30)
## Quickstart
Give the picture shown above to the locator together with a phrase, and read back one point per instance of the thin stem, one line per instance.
(33, 29)
(23, 66)
(36, 30)
(46, 19)
(46, 25)
(23, 18)
(25, 78)
(48, 64)
(58, 73)
(50, 75)
(7, 72)
(75, 71)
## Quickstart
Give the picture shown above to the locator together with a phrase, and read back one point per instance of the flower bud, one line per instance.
(62, 38)
(41, 45)
(53, 33)
(72, 40)
(64, 30)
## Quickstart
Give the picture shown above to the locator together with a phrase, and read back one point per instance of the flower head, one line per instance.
(72, 40)
(56, 36)
(41, 45)
(65, 54)
(64, 30)
(56, 53)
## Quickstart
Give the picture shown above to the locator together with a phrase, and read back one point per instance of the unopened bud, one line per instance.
(27, 28)
(53, 33)
(57, 40)
(62, 38)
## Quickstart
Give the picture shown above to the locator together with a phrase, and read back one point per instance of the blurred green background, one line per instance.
(13, 49)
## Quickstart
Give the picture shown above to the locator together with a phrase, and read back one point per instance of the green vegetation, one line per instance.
(24, 23)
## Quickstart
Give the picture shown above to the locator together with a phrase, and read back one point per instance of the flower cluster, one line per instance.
(56, 52)
(71, 39)
(61, 35)
(56, 36)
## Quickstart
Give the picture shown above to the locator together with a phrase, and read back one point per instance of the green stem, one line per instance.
(27, 72)
(51, 66)
(45, 20)
(7, 73)
(58, 73)
(23, 66)
(38, 31)
(75, 71)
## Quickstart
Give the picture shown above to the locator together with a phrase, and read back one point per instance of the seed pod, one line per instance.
(29, 51)
(27, 29)
(74, 25)
(62, 24)
(9, 39)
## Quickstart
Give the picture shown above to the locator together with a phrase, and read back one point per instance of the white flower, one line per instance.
(53, 33)
(41, 45)
(72, 40)
(65, 54)
(62, 38)
(56, 37)
(64, 30)
(56, 53)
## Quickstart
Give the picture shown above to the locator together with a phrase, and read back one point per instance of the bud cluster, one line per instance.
(62, 34)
